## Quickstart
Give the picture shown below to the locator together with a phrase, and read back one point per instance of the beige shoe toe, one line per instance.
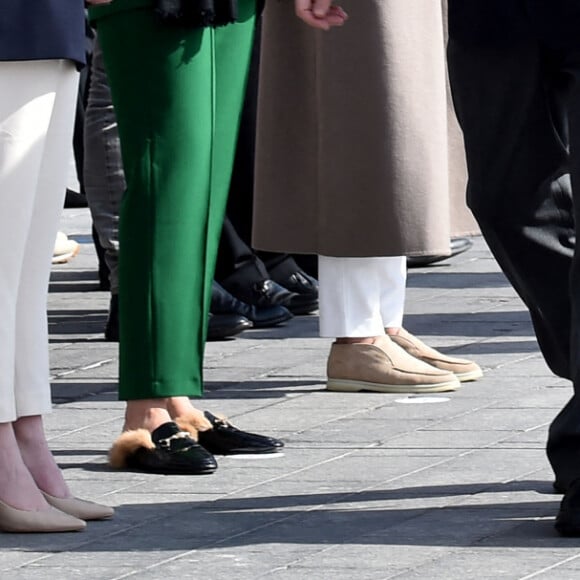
(465, 370)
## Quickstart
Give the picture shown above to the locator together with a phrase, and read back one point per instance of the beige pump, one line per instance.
(40, 521)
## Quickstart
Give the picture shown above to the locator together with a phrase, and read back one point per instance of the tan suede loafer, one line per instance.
(383, 367)
(463, 369)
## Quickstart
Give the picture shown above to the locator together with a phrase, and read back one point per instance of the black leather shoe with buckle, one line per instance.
(225, 439)
(222, 302)
(175, 453)
(263, 294)
(222, 326)
(305, 290)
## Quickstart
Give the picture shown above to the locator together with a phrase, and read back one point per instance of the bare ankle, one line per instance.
(392, 330)
(146, 414)
(181, 406)
(356, 340)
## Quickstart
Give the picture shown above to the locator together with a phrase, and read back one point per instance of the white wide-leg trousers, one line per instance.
(361, 296)
(37, 106)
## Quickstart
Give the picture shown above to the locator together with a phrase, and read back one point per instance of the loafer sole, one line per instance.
(358, 386)
(469, 376)
(272, 321)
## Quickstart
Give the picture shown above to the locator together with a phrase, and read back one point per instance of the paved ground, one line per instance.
(370, 486)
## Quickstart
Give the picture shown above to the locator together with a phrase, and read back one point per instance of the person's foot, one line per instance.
(262, 294)
(216, 434)
(64, 249)
(222, 302)
(20, 521)
(17, 486)
(304, 288)
(383, 367)
(112, 325)
(568, 518)
(80, 508)
(167, 450)
(40, 462)
(222, 326)
(152, 443)
(464, 369)
(74, 199)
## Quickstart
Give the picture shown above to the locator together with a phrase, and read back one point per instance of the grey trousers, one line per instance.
(104, 178)
(517, 95)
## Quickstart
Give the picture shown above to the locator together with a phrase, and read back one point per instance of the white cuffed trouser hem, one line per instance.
(36, 123)
(359, 297)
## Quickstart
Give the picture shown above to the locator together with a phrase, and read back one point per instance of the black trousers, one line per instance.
(235, 255)
(516, 89)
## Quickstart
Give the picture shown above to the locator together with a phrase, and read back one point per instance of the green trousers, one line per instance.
(178, 95)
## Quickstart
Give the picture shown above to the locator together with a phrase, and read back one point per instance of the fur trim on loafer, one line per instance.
(168, 450)
(193, 424)
(127, 444)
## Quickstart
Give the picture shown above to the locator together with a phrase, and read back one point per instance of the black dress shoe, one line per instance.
(568, 518)
(558, 487)
(225, 439)
(222, 326)
(112, 326)
(304, 287)
(457, 246)
(175, 453)
(222, 302)
(261, 294)
(73, 199)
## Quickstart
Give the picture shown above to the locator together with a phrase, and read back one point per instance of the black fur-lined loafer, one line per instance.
(168, 451)
(220, 437)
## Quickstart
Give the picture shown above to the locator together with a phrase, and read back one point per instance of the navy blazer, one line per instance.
(501, 22)
(42, 29)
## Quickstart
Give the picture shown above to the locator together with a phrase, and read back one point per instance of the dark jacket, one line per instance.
(42, 29)
(503, 22)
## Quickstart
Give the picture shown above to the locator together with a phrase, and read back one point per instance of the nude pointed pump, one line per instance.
(80, 508)
(42, 521)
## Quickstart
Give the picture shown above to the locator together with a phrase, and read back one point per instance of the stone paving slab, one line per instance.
(370, 486)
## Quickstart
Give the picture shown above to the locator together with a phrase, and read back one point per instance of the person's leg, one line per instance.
(177, 101)
(36, 120)
(164, 103)
(564, 439)
(363, 357)
(104, 180)
(518, 190)
(179, 110)
(509, 100)
(26, 115)
(235, 256)
(237, 269)
(32, 364)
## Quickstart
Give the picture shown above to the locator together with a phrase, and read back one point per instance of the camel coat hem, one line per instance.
(352, 141)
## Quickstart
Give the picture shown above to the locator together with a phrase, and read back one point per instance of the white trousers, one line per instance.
(361, 296)
(37, 106)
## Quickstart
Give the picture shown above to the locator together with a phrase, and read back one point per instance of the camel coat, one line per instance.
(352, 142)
